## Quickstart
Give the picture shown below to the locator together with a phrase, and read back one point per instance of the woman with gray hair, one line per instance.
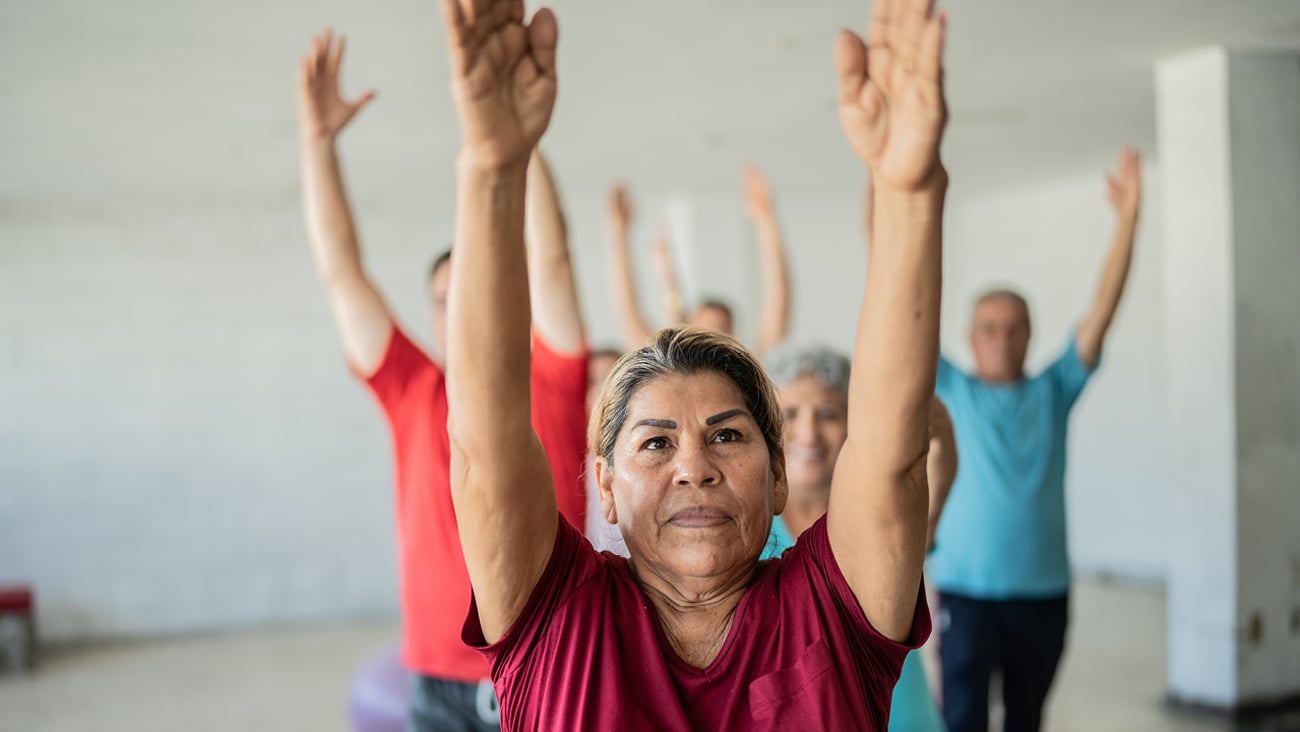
(813, 388)
(693, 631)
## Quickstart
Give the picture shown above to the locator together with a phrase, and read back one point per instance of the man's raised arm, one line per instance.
(363, 320)
(553, 287)
(1124, 189)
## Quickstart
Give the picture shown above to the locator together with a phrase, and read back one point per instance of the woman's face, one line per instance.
(816, 425)
(692, 485)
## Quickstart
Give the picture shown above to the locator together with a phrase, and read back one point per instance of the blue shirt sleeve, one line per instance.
(946, 377)
(1068, 374)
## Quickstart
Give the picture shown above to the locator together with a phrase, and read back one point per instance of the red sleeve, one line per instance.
(572, 562)
(870, 643)
(403, 362)
(559, 389)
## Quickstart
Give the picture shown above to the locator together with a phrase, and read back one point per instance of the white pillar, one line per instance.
(1229, 146)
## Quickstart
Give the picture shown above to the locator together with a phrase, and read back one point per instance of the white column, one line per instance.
(1229, 146)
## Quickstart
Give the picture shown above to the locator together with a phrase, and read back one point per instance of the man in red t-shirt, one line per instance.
(451, 689)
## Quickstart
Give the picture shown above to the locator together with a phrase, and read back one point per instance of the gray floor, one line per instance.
(297, 679)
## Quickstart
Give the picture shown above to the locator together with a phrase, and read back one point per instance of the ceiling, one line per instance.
(157, 98)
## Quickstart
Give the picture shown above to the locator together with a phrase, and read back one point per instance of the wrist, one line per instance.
(933, 187)
(317, 141)
(469, 165)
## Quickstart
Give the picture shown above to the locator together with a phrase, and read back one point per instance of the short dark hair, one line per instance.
(443, 258)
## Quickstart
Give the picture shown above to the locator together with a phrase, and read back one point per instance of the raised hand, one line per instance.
(891, 92)
(620, 207)
(662, 254)
(758, 193)
(1124, 188)
(322, 110)
(502, 77)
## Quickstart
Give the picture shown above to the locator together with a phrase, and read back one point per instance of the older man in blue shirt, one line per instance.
(1000, 559)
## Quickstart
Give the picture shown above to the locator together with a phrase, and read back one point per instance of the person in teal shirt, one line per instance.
(812, 384)
(1000, 559)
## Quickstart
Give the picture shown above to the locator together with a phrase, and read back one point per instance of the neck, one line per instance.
(695, 613)
(805, 506)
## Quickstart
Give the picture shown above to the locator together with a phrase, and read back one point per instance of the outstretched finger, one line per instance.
(360, 102)
(458, 30)
(543, 39)
(929, 53)
(878, 28)
(335, 59)
(913, 23)
(850, 65)
(313, 54)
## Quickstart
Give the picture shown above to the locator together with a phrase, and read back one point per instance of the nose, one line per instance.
(696, 467)
(802, 428)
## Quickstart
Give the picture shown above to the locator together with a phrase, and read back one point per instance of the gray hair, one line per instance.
(790, 363)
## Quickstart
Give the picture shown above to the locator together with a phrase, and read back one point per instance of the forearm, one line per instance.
(1092, 332)
(635, 329)
(328, 216)
(775, 313)
(941, 465)
(897, 345)
(555, 310)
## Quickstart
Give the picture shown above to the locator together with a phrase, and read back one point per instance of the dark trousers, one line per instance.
(440, 705)
(1020, 639)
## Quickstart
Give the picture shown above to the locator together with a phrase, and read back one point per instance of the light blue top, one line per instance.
(912, 708)
(1002, 532)
(778, 539)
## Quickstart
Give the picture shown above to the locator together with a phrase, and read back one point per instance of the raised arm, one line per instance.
(551, 282)
(1124, 189)
(503, 85)
(774, 315)
(674, 304)
(363, 320)
(636, 330)
(940, 465)
(893, 113)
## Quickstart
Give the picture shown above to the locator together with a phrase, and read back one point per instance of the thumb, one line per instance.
(362, 101)
(850, 64)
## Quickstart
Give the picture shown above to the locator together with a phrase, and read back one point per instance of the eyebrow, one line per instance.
(666, 424)
(724, 416)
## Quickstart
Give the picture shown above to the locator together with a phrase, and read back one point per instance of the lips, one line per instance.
(699, 517)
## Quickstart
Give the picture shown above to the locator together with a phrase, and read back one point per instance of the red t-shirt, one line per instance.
(588, 652)
(435, 584)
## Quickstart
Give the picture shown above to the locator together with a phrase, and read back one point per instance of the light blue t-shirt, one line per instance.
(912, 708)
(1002, 532)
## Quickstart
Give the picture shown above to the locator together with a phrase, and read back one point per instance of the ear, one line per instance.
(780, 486)
(605, 485)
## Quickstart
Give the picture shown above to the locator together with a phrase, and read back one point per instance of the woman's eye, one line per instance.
(655, 443)
(727, 436)
(829, 415)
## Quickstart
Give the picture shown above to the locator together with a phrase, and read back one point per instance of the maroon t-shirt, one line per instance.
(588, 653)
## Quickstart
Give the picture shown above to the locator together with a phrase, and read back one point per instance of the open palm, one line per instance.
(1124, 188)
(502, 77)
(322, 110)
(891, 91)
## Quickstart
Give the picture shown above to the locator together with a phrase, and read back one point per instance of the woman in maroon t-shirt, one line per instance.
(693, 632)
